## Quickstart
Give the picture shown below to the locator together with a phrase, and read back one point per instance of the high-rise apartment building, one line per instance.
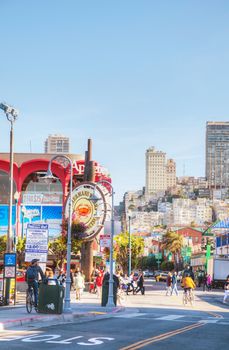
(155, 171)
(217, 154)
(160, 172)
(57, 144)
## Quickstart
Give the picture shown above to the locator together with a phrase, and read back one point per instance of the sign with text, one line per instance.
(36, 242)
(10, 261)
(105, 241)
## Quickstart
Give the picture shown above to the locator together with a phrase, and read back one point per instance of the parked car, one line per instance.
(148, 274)
(161, 277)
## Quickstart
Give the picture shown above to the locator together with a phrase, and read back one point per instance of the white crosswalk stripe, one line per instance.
(173, 317)
(169, 317)
(130, 315)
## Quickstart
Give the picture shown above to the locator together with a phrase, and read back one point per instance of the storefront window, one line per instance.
(36, 191)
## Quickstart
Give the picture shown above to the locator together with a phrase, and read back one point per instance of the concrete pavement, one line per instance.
(89, 306)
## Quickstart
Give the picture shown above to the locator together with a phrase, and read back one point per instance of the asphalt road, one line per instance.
(146, 326)
(153, 328)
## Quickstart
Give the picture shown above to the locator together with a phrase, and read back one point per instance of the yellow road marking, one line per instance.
(160, 337)
(213, 314)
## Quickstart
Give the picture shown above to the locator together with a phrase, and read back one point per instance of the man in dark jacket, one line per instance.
(32, 277)
(140, 283)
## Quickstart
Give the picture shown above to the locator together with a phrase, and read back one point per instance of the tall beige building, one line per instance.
(155, 171)
(171, 173)
(57, 144)
(160, 172)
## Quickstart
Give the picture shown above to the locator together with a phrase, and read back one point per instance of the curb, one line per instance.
(67, 317)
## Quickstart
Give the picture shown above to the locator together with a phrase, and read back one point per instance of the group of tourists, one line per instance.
(97, 281)
(203, 279)
(129, 284)
(171, 283)
(132, 284)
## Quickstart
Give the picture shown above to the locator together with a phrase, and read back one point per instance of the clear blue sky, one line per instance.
(130, 74)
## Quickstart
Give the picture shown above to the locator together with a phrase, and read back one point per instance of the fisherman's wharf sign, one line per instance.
(88, 207)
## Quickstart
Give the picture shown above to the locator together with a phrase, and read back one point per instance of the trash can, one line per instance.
(50, 297)
(105, 289)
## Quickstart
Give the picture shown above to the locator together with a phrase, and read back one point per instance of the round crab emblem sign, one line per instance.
(89, 207)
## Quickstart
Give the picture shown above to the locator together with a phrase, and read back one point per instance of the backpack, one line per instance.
(31, 274)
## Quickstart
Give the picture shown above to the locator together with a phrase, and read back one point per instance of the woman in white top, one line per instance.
(79, 285)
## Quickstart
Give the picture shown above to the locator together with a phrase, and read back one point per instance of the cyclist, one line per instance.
(188, 284)
(32, 278)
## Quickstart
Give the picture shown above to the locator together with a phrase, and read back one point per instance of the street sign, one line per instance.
(10, 259)
(105, 241)
(36, 242)
(188, 251)
(9, 277)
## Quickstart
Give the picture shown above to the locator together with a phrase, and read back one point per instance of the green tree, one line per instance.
(121, 250)
(20, 249)
(147, 262)
(58, 247)
(173, 242)
(3, 240)
(167, 265)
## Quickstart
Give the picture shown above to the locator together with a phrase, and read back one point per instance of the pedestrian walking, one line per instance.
(140, 283)
(169, 284)
(72, 280)
(130, 284)
(199, 278)
(79, 285)
(174, 283)
(62, 278)
(209, 282)
(99, 283)
(205, 282)
(226, 290)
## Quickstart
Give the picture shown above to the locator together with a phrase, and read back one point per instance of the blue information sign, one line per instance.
(10, 259)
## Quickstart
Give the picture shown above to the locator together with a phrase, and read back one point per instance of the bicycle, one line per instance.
(188, 296)
(131, 288)
(30, 300)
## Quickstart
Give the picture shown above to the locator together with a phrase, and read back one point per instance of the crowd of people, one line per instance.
(124, 284)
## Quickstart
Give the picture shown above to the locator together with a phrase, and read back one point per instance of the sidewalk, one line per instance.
(89, 306)
(204, 301)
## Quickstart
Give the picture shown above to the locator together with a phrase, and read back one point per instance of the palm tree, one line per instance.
(173, 242)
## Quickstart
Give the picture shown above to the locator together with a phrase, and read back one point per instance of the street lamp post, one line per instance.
(11, 115)
(49, 176)
(16, 198)
(110, 302)
(129, 260)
